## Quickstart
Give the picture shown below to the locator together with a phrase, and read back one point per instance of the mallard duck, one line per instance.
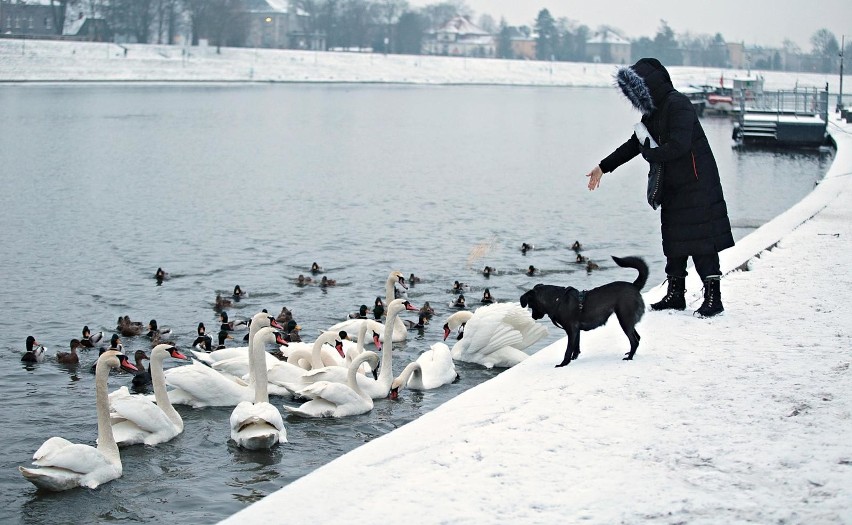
(70, 358)
(35, 352)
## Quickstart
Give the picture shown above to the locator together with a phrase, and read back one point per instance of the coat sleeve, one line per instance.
(679, 122)
(622, 154)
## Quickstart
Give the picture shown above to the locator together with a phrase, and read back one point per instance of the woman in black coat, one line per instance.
(694, 215)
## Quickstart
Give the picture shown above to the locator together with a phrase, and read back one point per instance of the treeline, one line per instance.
(394, 26)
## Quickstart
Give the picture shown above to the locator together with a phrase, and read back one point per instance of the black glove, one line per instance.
(646, 149)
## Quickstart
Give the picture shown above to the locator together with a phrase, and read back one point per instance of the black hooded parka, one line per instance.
(694, 215)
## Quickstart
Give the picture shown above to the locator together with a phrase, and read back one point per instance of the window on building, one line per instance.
(17, 22)
(31, 23)
(48, 23)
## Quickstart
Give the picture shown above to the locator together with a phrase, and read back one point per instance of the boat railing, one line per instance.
(805, 101)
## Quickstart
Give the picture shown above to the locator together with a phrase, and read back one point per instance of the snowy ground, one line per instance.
(745, 418)
(40, 60)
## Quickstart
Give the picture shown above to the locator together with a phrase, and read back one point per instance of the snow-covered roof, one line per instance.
(607, 37)
(462, 26)
(267, 6)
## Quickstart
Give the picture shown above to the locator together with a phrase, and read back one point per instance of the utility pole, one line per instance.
(840, 94)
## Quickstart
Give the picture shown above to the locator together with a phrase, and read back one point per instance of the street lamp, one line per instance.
(840, 93)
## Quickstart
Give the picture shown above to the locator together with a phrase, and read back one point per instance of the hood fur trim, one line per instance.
(635, 89)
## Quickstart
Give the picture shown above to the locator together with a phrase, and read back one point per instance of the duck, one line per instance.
(70, 358)
(459, 302)
(236, 324)
(525, 247)
(128, 328)
(239, 293)
(433, 369)
(160, 275)
(400, 332)
(581, 258)
(576, 246)
(325, 281)
(361, 313)
(221, 302)
(198, 385)
(257, 424)
(203, 341)
(63, 465)
(89, 340)
(419, 325)
(285, 316)
(488, 271)
(494, 335)
(531, 270)
(142, 378)
(334, 400)
(590, 265)
(136, 419)
(413, 279)
(315, 268)
(154, 330)
(301, 280)
(376, 388)
(35, 352)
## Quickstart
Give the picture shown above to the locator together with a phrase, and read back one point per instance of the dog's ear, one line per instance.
(524, 301)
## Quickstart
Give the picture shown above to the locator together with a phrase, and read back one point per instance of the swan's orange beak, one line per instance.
(177, 355)
(275, 324)
(338, 345)
(280, 340)
(377, 341)
(409, 306)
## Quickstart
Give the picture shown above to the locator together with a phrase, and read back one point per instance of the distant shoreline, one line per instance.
(70, 62)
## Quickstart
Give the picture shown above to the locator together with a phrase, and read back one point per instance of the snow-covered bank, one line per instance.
(49, 61)
(744, 418)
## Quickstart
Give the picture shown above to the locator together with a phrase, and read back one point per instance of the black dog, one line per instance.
(573, 310)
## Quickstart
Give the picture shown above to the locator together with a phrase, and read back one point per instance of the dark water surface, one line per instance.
(248, 185)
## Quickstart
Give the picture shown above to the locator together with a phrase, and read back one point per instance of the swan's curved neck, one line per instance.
(353, 372)
(161, 396)
(253, 328)
(386, 370)
(258, 366)
(299, 355)
(412, 368)
(106, 441)
(389, 289)
(316, 350)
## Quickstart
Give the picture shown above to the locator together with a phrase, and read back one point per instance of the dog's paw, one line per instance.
(628, 357)
(564, 363)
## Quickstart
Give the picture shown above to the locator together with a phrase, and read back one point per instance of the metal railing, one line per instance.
(800, 102)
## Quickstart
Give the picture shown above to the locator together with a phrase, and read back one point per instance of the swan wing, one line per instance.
(521, 320)
(200, 386)
(144, 414)
(335, 393)
(350, 325)
(313, 408)
(51, 446)
(75, 457)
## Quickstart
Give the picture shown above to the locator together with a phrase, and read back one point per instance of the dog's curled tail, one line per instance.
(637, 264)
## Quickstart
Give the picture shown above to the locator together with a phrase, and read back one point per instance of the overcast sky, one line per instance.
(762, 22)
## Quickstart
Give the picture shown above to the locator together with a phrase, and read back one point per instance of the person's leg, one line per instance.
(676, 276)
(708, 269)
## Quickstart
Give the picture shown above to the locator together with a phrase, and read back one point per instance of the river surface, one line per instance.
(250, 184)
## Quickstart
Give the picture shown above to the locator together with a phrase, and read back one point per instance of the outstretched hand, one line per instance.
(595, 178)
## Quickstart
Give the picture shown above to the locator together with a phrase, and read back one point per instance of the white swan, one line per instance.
(399, 330)
(260, 320)
(329, 399)
(258, 425)
(343, 353)
(64, 465)
(199, 386)
(284, 374)
(434, 368)
(375, 388)
(136, 419)
(494, 335)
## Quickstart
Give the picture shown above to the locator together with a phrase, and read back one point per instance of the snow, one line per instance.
(743, 418)
(48, 61)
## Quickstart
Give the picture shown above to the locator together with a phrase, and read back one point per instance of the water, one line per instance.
(248, 185)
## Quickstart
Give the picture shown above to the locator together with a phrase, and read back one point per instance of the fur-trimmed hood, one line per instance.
(645, 84)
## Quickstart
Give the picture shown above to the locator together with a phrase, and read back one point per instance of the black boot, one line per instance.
(712, 304)
(674, 299)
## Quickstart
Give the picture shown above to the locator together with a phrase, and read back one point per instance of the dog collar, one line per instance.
(581, 298)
